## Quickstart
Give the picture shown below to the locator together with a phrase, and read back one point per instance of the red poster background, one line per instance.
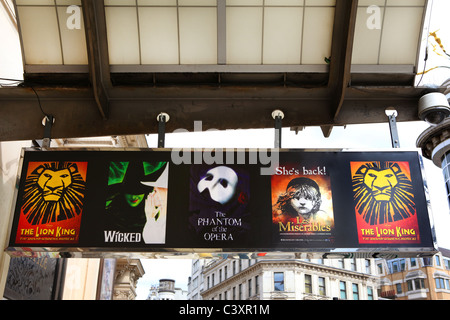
(66, 231)
(400, 232)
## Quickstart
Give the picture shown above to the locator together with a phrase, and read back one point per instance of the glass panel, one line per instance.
(35, 2)
(400, 37)
(320, 2)
(121, 23)
(73, 36)
(367, 3)
(68, 2)
(40, 35)
(198, 35)
(283, 2)
(282, 35)
(197, 3)
(120, 2)
(244, 2)
(244, 35)
(367, 36)
(317, 35)
(405, 3)
(157, 2)
(159, 35)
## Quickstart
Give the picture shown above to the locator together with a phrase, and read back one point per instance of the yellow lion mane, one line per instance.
(401, 204)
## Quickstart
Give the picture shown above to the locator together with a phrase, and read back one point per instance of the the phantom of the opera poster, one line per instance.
(219, 203)
(136, 204)
(384, 202)
(52, 202)
(302, 208)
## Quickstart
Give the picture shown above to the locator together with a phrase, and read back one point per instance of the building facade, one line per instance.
(166, 290)
(416, 278)
(312, 279)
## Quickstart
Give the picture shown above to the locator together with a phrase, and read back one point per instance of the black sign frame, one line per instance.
(253, 232)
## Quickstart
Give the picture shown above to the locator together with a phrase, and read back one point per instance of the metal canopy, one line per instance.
(106, 76)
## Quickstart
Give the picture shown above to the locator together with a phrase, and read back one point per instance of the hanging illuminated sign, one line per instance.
(217, 201)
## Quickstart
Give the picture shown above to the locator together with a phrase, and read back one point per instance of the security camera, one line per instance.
(433, 108)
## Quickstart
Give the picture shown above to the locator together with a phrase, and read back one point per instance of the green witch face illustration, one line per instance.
(132, 190)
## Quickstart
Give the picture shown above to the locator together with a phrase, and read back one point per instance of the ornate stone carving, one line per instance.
(127, 274)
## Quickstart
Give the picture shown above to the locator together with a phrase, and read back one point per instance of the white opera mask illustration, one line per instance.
(221, 183)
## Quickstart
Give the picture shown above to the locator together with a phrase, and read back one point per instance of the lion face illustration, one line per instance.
(53, 192)
(383, 193)
(381, 182)
(54, 182)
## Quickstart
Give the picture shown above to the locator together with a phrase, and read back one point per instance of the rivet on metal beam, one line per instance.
(162, 119)
(392, 115)
(278, 116)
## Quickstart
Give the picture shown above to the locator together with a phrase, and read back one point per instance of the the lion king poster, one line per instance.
(384, 202)
(52, 202)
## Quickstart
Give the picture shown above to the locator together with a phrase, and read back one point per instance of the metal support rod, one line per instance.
(162, 119)
(392, 114)
(48, 123)
(278, 116)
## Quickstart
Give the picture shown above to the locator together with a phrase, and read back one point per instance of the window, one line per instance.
(415, 284)
(369, 293)
(367, 262)
(427, 262)
(440, 284)
(240, 292)
(438, 260)
(256, 285)
(397, 265)
(447, 264)
(322, 290)
(402, 264)
(398, 287)
(249, 287)
(413, 262)
(234, 293)
(380, 268)
(343, 290)
(278, 281)
(308, 283)
(355, 290)
(226, 272)
(353, 264)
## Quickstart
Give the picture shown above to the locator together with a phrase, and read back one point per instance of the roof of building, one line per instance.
(111, 67)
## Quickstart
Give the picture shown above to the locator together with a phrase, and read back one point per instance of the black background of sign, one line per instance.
(259, 238)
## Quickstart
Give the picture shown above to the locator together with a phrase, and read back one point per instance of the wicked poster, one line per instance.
(136, 202)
